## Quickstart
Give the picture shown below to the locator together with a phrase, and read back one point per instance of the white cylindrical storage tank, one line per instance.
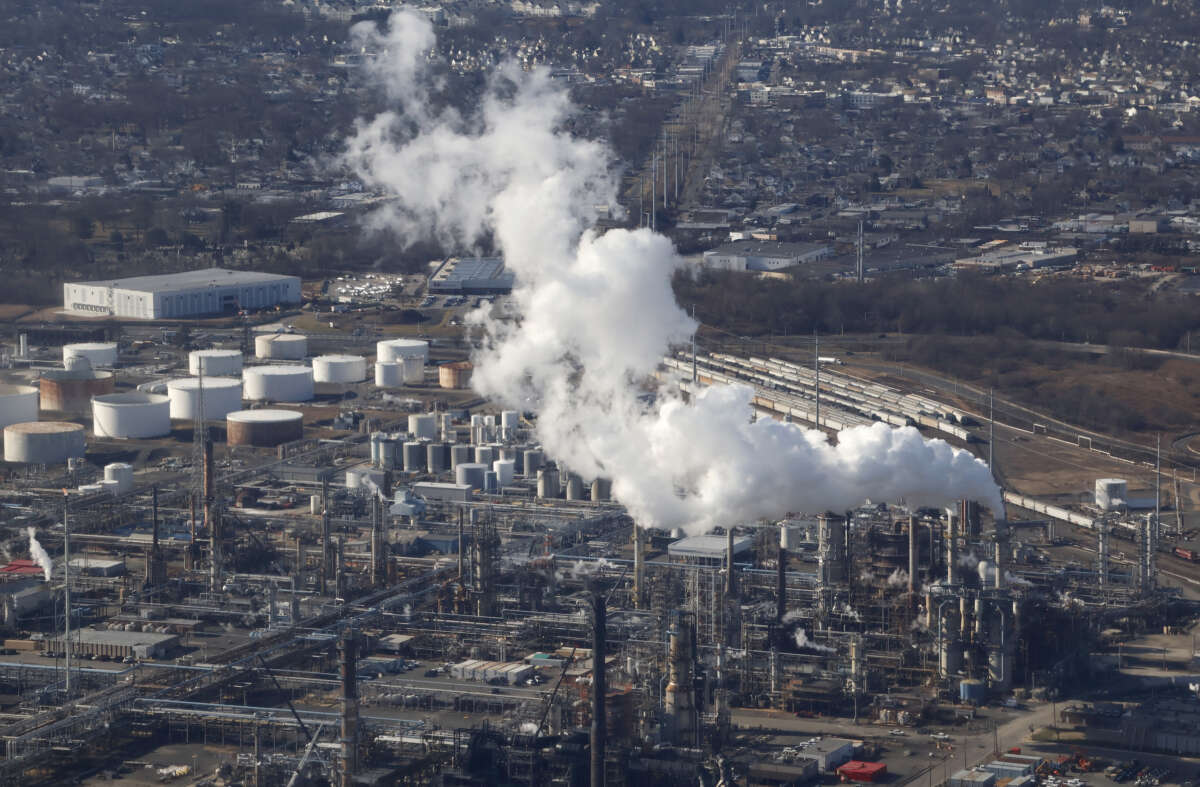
(447, 427)
(485, 455)
(90, 489)
(278, 383)
(374, 440)
(131, 415)
(504, 471)
(414, 370)
(339, 369)
(423, 426)
(471, 474)
(281, 346)
(460, 453)
(122, 474)
(215, 363)
(43, 442)
(510, 420)
(390, 350)
(222, 396)
(112, 487)
(414, 457)
(96, 353)
(18, 404)
(389, 374)
(601, 490)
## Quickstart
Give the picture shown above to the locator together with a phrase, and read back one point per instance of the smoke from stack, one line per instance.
(39, 555)
(597, 312)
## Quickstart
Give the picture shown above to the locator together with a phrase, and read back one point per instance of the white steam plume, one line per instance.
(804, 643)
(898, 578)
(597, 312)
(39, 555)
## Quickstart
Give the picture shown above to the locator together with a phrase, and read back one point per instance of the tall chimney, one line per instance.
(912, 554)
(729, 580)
(951, 550)
(781, 577)
(462, 556)
(599, 687)
(639, 568)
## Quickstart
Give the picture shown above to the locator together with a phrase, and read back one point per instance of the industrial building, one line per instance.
(764, 256)
(471, 276)
(196, 293)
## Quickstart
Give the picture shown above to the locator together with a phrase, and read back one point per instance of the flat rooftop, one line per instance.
(708, 546)
(466, 273)
(187, 280)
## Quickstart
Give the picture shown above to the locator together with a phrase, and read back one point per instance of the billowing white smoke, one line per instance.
(898, 578)
(38, 554)
(804, 643)
(968, 559)
(598, 313)
(792, 616)
(1015, 579)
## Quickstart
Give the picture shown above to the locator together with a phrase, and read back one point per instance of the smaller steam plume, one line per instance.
(804, 643)
(898, 579)
(39, 554)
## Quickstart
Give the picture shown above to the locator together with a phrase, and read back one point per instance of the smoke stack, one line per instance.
(781, 577)
(729, 580)
(912, 554)
(326, 546)
(599, 721)
(349, 709)
(951, 550)
(639, 568)
(462, 552)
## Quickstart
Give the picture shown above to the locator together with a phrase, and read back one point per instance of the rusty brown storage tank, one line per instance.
(455, 375)
(71, 390)
(263, 428)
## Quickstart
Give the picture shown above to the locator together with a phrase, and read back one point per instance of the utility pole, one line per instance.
(860, 251)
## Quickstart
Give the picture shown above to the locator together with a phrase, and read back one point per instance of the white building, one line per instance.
(175, 295)
(764, 256)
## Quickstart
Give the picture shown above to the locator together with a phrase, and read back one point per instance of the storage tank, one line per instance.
(120, 473)
(491, 483)
(973, 691)
(71, 390)
(222, 395)
(414, 457)
(548, 484)
(423, 426)
(514, 454)
(339, 369)
(132, 415)
(532, 459)
(96, 353)
(278, 383)
(390, 453)
(374, 440)
(43, 442)
(447, 427)
(455, 375)
(389, 374)
(391, 350)
(437, 457)
(281, 346)
(112, 487)
(504, 469)
(485, 454)
(471, 474)
(510, 421)
(414, 370)
(215, 363)
(263, 428)
(574, 487)
(460, 453)
(602, 490)
(18, 404)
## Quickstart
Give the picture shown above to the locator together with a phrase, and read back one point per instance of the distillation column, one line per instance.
(679, 698)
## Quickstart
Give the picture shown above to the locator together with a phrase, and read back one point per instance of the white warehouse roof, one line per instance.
(189, 280)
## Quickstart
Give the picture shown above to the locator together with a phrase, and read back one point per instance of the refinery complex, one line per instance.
(325, 558)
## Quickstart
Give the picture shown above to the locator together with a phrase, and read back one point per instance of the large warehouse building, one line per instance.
(190, 294)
